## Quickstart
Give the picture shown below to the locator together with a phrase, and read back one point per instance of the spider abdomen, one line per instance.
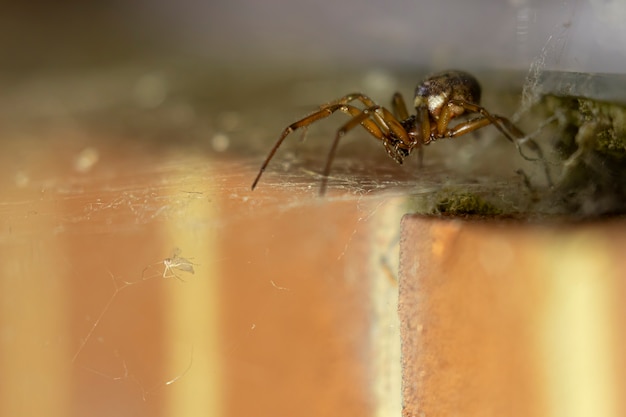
(438, 89)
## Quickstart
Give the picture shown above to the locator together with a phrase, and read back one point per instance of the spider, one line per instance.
(438, 99)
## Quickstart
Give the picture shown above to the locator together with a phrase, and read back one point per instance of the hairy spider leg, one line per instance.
(323, 112)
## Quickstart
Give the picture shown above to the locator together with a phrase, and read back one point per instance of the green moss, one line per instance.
(465, 204)
(589, 137)
(603, 124)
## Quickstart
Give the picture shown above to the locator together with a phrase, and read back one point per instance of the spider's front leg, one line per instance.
(399, 107)
(322, 113)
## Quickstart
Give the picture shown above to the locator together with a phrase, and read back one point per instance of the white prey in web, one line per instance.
(170, 266)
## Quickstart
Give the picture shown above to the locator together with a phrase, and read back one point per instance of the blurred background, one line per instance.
(130, 135)
(586, 35)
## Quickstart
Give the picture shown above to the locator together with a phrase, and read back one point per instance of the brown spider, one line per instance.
(438, 99)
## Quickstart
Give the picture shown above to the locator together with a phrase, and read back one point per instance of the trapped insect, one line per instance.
(438, 99)
(179, 263)
(176, 262)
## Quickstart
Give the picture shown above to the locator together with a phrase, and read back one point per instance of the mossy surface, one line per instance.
(466, 204)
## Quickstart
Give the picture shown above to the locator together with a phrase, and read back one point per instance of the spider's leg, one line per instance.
(504, 125)
(380, 123)
(386, 118)
(360, 117)
(423, 118)
(399, 107)
(467, 127)
(396, 136)
(391, 124)
(368, 102)
(519, 139)
(400, 111)
(323, 112)
(510, 131)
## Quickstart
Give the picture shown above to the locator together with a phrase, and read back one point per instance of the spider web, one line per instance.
(169, 268)
(549, 56)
